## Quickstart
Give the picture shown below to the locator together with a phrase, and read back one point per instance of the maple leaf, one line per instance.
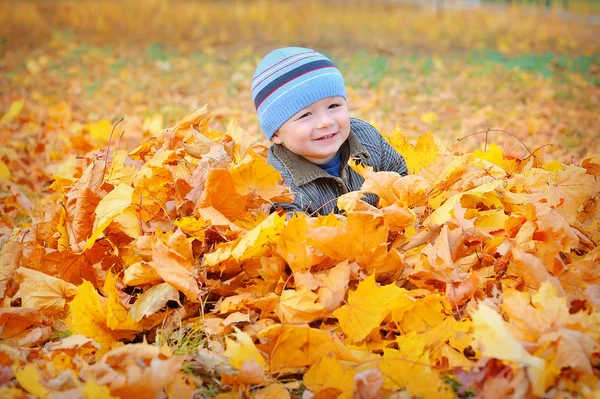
(252, 175)
(299, 306)
(220, 193)
(152, 300)
(484, 192)
(294, 346)
(136, 370)
(13, 111)
(495, 339)
(328, 373)
(44, 292)
(242, 350)
(113, 204)
(495, 156)
(293, 244)
(361, 232)
(72, 268)
(87, 316)
(418, 156)
(10, 257)
(29, 379)
(117, 315)
(171, 266)
(407, 368)
(367, 306)
(141, 273)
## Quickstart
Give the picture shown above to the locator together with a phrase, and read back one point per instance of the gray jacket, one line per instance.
(315, 190)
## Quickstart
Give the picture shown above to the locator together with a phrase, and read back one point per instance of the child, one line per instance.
(300, 99)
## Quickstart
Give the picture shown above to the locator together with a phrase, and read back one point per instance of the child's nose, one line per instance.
(325, 121)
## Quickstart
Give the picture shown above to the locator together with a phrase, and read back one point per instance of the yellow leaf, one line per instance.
(428, 117)
(117, 315)
(334, 287)
(254, 176)
(141, 273)
(296, 346)
(100, 131)
(153, 300)
(192, 226)
(494, 339)
(128, 222)
(92, 390)
(407, 368)
(11, 254)
(87, 316)
(4, 171)
(553, 166)
(299, 306)
(328, 373)
(495, 156)
(29, 379)
(273, 391)
(367, 306)
(153, 124)
(110, 206)
(44, 292)
(419, 315)
(418, 156)
(118, 171)
(13, 111)
(242, 350)
(293, 244)
(171, 266)
(442, 214)
(258, 240)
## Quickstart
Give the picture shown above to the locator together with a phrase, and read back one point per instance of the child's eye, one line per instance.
(334, 105)
(304, 115)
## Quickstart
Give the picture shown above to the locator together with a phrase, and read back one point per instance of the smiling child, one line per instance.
(300, 98)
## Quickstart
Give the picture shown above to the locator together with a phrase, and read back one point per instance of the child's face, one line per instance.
(318, 131)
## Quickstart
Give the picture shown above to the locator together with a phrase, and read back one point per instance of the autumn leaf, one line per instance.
(299, 306)
(10, 257)
(108, 208)
(13, 111)
(220, 193)
(44, 292)
(242, 350)
(252, 175)
(29, 378)
(87, 316)
(293, 244)
(417, 156)
(152, 300)
(367, 306)
(328, 373)
(294, 346)
(494, 339)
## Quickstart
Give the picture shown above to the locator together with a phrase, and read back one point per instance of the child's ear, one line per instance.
(276, 139)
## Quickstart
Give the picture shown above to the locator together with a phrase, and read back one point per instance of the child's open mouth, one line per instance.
(327, 137)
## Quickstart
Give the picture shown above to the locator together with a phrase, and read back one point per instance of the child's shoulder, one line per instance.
(366, 133)
(362, 129)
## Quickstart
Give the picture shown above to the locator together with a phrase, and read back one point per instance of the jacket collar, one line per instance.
(304, 171)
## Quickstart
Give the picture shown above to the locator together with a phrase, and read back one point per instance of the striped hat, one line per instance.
(289, 79)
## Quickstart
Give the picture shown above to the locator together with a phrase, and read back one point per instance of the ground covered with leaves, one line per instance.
(139, 261)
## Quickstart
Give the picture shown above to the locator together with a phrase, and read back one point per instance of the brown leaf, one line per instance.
(10, 258)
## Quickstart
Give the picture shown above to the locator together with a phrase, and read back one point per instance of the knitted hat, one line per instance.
(289, 79)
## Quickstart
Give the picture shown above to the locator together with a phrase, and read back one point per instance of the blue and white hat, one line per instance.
(289, 79)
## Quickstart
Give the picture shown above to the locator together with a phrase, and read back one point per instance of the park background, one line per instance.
(83, 79)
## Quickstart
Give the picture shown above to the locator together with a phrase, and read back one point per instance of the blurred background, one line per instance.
(70, 69)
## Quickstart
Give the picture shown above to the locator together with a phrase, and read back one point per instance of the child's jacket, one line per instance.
(315, 190)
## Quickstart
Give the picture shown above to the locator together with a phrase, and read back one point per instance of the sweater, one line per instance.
(315, 190)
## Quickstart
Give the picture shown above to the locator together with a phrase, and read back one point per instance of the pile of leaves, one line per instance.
(160, 272)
